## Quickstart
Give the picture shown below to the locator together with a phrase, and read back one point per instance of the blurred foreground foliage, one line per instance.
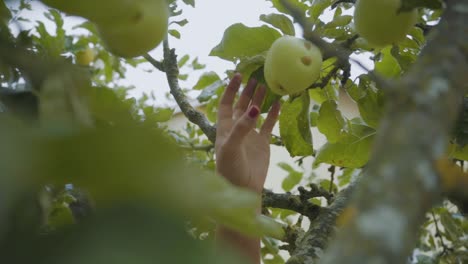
(90, 175)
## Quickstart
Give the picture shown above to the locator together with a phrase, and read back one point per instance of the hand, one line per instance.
(242, 153)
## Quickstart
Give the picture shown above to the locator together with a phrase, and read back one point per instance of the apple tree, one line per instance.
(90, 174)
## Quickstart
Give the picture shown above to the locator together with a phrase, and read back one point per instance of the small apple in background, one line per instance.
(85, 57)
(292, 65)
(381, 23)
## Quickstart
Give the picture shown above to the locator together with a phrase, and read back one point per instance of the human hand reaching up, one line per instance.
(242, 153)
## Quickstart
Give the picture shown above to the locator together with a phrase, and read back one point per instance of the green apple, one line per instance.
(381, 23)
(128, 28)
(142, 33)
(96, 11)
(85, 57)
(292, 65)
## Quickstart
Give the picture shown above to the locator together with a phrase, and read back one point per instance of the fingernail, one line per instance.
(253, 113)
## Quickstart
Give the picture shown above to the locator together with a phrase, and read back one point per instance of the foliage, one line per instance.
(85, 167)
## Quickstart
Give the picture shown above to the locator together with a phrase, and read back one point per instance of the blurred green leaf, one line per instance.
(388, 66)
(210, 91)
(206, 79)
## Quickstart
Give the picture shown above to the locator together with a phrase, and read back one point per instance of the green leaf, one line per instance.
(248, 65)
(242, 41)
(345, 178)
(295, 127)
(296, 3)
(460, 153)
(452, 229)
(371, 107)
(330, 121)
(280, 22)
(196, 65)
(159, 114)
(210, 91)
(190, 2)
(317, 8)
(339, 21)
(181, 22)
(183, 61)
(329, 92)
(174, 33)
(352, 150)
(206, 79)
(5, 14)
(388, 66)
(292, 179)
(60, 216)
(325, 184)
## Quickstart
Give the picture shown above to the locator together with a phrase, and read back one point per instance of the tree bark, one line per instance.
(400, 183)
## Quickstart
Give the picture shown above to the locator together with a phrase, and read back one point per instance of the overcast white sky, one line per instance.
(207, 22)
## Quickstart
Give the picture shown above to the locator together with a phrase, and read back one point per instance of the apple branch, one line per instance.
(394, 195)
(311, 244)
(170, 67)
(298, 203)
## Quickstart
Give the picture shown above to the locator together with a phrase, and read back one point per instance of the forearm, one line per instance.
(247, 246)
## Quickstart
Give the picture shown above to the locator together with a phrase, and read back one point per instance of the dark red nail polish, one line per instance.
(253, 112)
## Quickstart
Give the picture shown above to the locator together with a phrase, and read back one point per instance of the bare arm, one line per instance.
(242, 153)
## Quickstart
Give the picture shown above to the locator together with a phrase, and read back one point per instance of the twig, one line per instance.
(157, 64)
(332, 177)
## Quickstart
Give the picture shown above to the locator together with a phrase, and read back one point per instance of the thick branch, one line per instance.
(401, 184)
(310, 246)
(298, 203)
(172, 74)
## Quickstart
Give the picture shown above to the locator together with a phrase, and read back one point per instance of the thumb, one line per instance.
(244, 125)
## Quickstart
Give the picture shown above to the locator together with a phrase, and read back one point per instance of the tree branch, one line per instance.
(298, 203)
(172, 73)
(394, 195)
(311, 244)
(157, 64)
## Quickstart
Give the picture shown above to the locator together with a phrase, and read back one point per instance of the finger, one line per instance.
(244, 99)
(225, 104)
(259, 96)
(243, 126)
(270, 120)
